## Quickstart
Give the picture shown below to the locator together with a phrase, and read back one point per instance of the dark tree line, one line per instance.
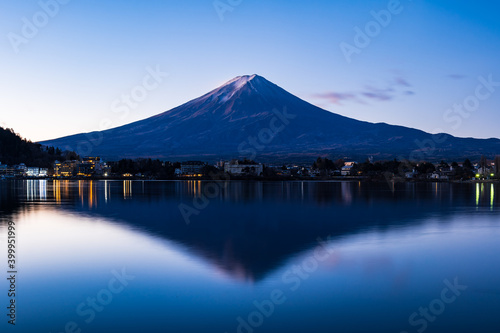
(400, 168)
(16, 150)
(396, 168)
(145, 166)
(325, 166)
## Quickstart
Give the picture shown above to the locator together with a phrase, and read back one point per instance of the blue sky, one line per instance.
(428, 57)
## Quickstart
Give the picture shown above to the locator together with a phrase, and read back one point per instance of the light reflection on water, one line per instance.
(392, 248)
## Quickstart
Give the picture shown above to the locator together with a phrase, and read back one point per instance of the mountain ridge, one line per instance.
(219, 123)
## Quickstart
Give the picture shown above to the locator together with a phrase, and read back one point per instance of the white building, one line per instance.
(235, 168)
(192, 167)
(36, 172)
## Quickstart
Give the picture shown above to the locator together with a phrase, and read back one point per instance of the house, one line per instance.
(485, 171)
(411, 175)
(239, 168)
(306, 172)
(439, 176)
(347, 168)
(192, 168)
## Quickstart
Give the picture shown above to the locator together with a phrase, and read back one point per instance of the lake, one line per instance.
(193, 256)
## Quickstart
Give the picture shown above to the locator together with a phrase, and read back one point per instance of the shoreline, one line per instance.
(264, 179)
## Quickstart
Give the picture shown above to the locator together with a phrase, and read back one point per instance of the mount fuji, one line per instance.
(254, 118)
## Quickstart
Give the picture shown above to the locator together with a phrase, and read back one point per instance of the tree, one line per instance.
(426, 168)
(339, 164)
(468, 165)
(269, 172)
(71, 156)
(324, 165)
(443, 165)
(209, 170)
(466, 171)
(483, 163)
(15, 150)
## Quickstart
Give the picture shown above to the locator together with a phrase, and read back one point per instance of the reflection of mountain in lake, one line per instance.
(252, 228)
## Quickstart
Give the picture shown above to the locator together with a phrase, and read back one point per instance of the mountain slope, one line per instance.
(252, 117)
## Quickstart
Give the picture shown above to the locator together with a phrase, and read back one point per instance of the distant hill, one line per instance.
(254, 118)
(16, 150)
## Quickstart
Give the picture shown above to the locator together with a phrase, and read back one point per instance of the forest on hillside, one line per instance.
(15, 150)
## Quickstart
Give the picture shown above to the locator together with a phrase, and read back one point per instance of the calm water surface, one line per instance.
(114, 256)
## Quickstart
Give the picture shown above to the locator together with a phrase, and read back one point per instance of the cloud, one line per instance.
(370, 93)
(336, 98)
(402, 82)
(378, 94)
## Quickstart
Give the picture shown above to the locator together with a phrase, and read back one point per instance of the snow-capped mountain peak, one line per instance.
(227, 91)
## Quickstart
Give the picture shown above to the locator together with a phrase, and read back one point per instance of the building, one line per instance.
(92, 160)
(347, 168)
(88, 167)
(85, 169)
(411, 175)
(439, 176)
(7, 171)
(37, 172)
(192, 168)
(21, 169)
(92, 166)
(102, 169)
(65, 169)
(239, 168)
